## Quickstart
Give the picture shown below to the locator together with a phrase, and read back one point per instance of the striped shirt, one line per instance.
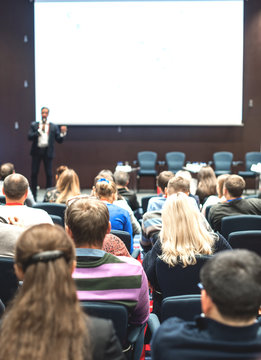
(101, 276)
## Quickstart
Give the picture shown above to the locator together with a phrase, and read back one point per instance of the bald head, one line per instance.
(15, 186)
(6, 169)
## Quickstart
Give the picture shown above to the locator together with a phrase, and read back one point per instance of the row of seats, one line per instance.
(175, 161)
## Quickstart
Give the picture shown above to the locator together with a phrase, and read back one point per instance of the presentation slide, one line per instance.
(139, 62)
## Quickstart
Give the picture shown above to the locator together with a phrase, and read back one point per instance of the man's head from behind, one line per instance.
(232, 280)
(15, 187)
(6, 169)
(163, 179)
(121, 178)
(234, 185)
(87, 222)
(178, 184)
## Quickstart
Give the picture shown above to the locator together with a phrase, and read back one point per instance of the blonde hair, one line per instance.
(105, 189)
(183, 235)
(68, 185)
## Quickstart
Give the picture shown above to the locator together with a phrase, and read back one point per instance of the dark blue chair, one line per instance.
(126, 238)
(52, 209)
(251, 158)
(222, 162)
(185, 307)
(8, 281)
(231, 224)
(131, 336)
(57, 220)
(175, 160)
(250, 240)
(147, 165)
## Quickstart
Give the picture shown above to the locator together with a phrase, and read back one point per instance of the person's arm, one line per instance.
(33, 131)
(60, 133)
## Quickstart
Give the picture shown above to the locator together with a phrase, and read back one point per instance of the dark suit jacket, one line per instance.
(54, 135)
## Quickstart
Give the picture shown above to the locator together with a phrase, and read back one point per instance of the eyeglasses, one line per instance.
(200, 286)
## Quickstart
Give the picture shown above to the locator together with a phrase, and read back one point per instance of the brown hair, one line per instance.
(45, 319)
(68, 185)
(15, 186)
(163, 179)
(206, 183)
(235, 185)
(177, 184)
(60, 170)
(220, 184)
(88, 220)
(6, 169)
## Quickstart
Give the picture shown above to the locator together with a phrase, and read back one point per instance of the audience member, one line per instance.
(15, 190)
(215, 199)
(8, 169)
(156, 203)
(45, 320)
(151, 221)
(106, 191)
(235, 204)
(122, 179)
(8, 238)
(100, 275)
(206, 183)
(68, 185)
(182, 237)
(50, 194)
(192, 184)
(230, 300)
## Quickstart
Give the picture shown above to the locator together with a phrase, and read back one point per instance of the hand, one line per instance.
(63, 129)
(15, 221)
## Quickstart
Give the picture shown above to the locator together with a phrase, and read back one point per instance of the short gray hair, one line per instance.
(15, 186)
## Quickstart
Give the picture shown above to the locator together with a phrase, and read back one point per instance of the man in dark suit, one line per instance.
(44, 134)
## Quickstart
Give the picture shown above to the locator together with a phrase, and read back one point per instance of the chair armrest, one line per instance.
(135, 253)
(236, 163)
(153, 323)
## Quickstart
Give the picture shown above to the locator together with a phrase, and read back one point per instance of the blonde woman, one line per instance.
(68, 185)
(182, 238)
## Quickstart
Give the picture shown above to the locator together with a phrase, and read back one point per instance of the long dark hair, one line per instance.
(45, 320)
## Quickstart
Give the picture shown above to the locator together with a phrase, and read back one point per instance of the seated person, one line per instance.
(8, 169)
(156, 202)
(50, 194)
(122, 179)
(45, 320)
(99, 275)
(15, 190)
(230, 301)
(234, 204)
(192, 184)
(207, 183)
(106, 191)
(182, 237)
(68, 185)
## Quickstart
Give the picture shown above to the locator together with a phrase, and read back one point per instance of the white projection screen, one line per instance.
(140, 62)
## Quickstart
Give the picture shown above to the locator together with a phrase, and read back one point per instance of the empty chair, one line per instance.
(8, 280)
(130, 336)
(250, 240)
(222, 162)
(185, 307)
(175, 160)
(251, 158)
(231, 224)
(179, 280)
(52, 209)
(147, 165)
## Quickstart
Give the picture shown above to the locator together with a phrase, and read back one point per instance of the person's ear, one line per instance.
(109, 228)
(206, 302)
(69, 231)
(166, 191)
(18, 272)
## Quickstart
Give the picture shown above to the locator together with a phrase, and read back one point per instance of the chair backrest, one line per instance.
(251, 158)
(8, 280)
(231, 224)
(57, 220)
(147, 160)
(145, 201)
(183, 306)
(124, 236)
(2, 199)
(250, 240)
(207, 211)
(175, 160)
(115, 312)
(179, 280)
(52, 208)
(223, 161)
